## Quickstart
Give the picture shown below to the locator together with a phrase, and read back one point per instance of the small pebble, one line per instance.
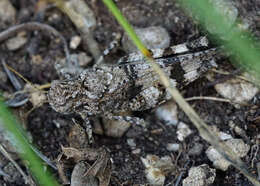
(84, 59)
(131, 142)
(136, 151)
(196, 149)
(168, 113)
(183, 131)
(74, 42)
(115, 128)
(16, 43)
(237, 145)
(7, 11)
(224, 136)
(37, 98)
(152, 37)
(156, 169)
(227, 10)
(54, 18)
(201, 175)
(238, 91)
(173, 147)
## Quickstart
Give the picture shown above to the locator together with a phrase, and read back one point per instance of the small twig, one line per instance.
(208, 98)
(6, 154)
(47, 85)
(31, 26)
(214, 99)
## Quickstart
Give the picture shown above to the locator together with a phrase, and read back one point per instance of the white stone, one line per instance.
(153, 37)
(136, 151)
(201, 175)
(237, 145)
(16, 42)
(238, 91)
(7, 11)
(196, 149)
(224, 136)
(74, 42)
(115, 128)
(183, 131)
(168, 113)
(226, 9)
(156, 168)
(173, 147)
(131, 142)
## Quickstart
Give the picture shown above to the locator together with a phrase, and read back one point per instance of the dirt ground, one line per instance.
(50, 130)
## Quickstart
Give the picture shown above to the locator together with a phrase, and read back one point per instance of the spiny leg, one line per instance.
(88, 127)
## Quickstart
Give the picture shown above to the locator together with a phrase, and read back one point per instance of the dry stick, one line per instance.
(208, 98)
(205, 132)
(214, 99)
(31, 26)
(25, 177)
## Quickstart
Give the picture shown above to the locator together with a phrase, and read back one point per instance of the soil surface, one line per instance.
(50, 130)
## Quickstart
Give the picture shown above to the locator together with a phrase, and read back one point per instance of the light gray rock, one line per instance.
(131, 142)
(7, 11)
(153, 37)
(74, 42)
(156, 169)
(173, 147)
(168, 113)
(17, 42)
(201, 175)
(196, 149)
(237, 90)
(115, 128)
(227, 9)
(237, 145)
(183, 131)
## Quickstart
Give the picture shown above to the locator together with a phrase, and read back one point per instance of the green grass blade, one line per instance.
(21, 142)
